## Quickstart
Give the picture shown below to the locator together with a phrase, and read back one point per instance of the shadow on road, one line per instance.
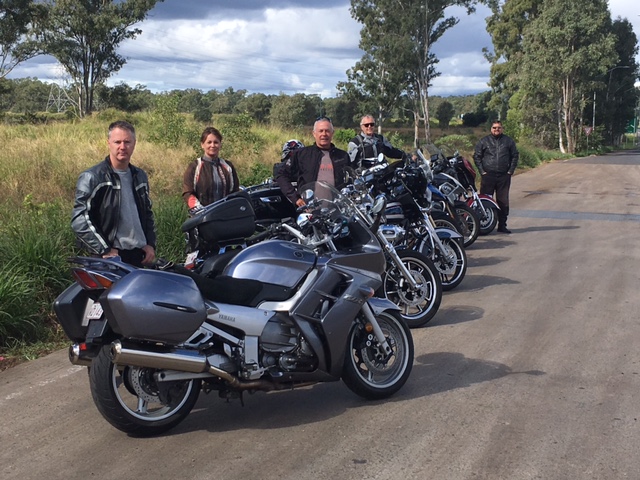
(432, 373)
(443, 371)
(473, 283)
(456, 314)
(486, 261)
(491, 241)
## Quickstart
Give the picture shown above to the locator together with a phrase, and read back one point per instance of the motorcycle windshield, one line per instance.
(334, 212)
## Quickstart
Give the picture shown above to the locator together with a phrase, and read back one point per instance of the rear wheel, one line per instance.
(368, 370)
(131, 399)
(417, 305)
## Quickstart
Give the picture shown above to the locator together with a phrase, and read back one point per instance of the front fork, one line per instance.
(377, 331)
(391, 251)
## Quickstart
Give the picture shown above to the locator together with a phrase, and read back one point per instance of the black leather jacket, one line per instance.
(303, 168)
(496, 155)
(97, 207)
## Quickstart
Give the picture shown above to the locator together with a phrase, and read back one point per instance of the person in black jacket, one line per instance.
(496, 157)
(112, 211)
(322, 161)
(368, 144)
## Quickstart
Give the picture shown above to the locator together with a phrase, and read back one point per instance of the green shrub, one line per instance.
(342, 136)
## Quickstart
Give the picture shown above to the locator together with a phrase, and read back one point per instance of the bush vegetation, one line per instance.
(41, 163)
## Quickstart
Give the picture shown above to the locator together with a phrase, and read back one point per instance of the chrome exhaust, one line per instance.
(187, 361)
(80, 357)
(183, 360)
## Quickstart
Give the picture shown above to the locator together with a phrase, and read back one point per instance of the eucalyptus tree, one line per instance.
(506, 27)
(563, 48)
(17, 17)
(83, 35)
(618, 96)
(398, 36)
(374, 85)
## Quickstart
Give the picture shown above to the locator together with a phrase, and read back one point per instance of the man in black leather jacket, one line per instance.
(321, 161)
(112, 211)
(496, 157)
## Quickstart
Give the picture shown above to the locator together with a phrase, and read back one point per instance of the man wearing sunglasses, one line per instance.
(364, 148)
(496, 157)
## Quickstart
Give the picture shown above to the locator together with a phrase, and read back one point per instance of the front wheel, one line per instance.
(133, 401)
(488, 221)
(368, 370)
(470, 223)
(450, 262)
(417, 305)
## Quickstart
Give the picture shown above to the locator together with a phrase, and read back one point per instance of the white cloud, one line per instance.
(271, 50)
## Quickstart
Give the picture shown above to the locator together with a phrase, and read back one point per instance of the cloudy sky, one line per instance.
(273, 46)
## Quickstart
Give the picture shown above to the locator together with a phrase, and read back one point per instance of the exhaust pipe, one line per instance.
(80, 357)
(183, 360)
(187, 361)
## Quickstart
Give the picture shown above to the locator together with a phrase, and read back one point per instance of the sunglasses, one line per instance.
(368, 125)
(324, 118)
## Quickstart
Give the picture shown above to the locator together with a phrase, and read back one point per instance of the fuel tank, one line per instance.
(277, 262)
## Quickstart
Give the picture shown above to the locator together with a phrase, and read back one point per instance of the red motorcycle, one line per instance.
(458, 175)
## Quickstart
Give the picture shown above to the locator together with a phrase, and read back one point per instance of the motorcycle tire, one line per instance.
(489, 221)
(417, 308)
(444, 220)
(368, 371)
(452, 264)
(470, 223)
(132, 401)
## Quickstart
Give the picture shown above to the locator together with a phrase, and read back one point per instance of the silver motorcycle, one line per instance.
(280, 315)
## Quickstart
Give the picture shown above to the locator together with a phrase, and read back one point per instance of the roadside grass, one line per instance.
(38, 173)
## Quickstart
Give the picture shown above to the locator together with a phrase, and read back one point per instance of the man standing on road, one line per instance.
(368, 144)
(322, 161)
(112, 210)
(496, 157)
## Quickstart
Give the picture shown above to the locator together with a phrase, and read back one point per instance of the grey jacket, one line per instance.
(496, 155)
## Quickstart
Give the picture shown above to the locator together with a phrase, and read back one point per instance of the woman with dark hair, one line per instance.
(209, 178)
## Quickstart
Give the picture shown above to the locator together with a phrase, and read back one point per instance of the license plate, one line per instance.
(95, 312)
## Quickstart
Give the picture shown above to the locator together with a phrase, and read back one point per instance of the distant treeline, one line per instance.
(29, 96)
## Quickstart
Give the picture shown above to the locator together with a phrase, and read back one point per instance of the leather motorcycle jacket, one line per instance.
(365, 146)
(303, 167)
(496, 155)
(96, 209)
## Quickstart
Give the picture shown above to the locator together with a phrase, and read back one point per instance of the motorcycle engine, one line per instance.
(392, 233)
(283, 347)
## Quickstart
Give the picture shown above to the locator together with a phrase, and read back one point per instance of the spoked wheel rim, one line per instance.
(412, 303)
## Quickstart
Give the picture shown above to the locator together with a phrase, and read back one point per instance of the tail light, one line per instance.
(91, 280)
